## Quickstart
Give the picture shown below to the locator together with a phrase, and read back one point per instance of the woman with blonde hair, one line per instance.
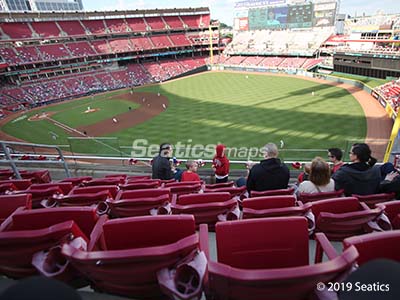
(319, 179)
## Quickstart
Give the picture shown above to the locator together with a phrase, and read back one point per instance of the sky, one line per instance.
(223, 9)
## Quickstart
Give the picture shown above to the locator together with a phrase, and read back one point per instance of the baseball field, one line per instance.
(240, 110)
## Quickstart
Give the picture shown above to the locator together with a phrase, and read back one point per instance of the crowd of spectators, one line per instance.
(83, 83)
(391, 93)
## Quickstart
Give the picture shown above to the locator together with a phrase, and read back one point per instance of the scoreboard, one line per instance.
(284, 14)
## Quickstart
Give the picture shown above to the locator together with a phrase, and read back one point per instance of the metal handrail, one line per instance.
(5, 147)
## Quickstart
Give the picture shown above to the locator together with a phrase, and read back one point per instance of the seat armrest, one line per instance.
(323, 245)
(203, 239)
(96, 233)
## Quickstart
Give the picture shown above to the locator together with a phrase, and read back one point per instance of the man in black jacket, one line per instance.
(161, 166)
(270, 173)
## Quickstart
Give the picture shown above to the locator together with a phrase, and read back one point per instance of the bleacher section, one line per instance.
(59, 59)
(283, 42)
(391, 93)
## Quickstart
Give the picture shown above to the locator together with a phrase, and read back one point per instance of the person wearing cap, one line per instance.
(335, 156)
(270, 173)
(161, 166)
(220, 164)
(361, 176)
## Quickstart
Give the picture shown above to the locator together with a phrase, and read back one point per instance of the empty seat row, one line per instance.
(153, 256)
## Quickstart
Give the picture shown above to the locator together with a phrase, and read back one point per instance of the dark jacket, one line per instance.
(161, 168)
(357, 178)
(269, 174)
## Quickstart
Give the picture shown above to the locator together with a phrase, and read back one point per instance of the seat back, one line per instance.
(122, 208)
(336, 206)
(220, 185)
(160, 230)
(392, 211)
(65, 187)
(203, 198)
(288, 191)
(373, 199)
(84, 217)
(142, 193)
(77, 180)
(376, 245)
(263, 243)
(234, 191)
(137, 185)
(9, 203)
(311, 197)
(20, 184)
(113, 190)
(105, 181)
(268, 202)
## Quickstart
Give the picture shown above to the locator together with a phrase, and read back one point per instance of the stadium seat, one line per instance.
(138, 177)
(27, 232)
(311, 197)
(137, 185)
(275, 267)
(288, 191)
(220, 185)
(342, 217)
(40, 195)
(112, 189)
(392, 211)
(277, 206)
(375, 245)
(77, 180)
(85, 199)
(207, 208)
(20, 184)
(234, 191)
(105, 181)
(65, 187)
(6, 188)
(372, 200)
(41, 176)
(130, 203)
(9, 203)
(132, 250)
(186, 187)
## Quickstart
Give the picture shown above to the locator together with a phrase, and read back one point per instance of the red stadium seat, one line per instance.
(9, 203)
(27, 232)
(372, 200)
(339, 218)
(186, 187)
(138, 177)
(65, 187)
(41, 176)
(277, 206)
(311, 197)
(208, 208)
(77, 180)
(130, 203)
(392, 211)
(6, 188)
(375, 245)
(132, 251)
(275, 267)
(137, 185)
(20, 184)
(105, 181)
(288, 191)
(220, 185)
(234, 191)
(112, 189)
(41, 195)
(87, 199)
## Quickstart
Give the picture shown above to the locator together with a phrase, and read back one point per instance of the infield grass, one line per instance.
(236, 109)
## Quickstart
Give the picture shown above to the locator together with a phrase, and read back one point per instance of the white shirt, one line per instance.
(310, 188)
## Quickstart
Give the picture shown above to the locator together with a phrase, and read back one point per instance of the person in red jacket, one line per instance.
(220, 164)
(190, 174)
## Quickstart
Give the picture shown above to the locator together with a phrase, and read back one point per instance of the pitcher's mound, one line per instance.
(91, 110)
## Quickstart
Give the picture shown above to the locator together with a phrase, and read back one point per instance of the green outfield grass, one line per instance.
(236, 109)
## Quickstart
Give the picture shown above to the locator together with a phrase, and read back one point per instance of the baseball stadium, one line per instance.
(90, 99)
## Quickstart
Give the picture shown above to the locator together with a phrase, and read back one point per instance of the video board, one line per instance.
(283, 14)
